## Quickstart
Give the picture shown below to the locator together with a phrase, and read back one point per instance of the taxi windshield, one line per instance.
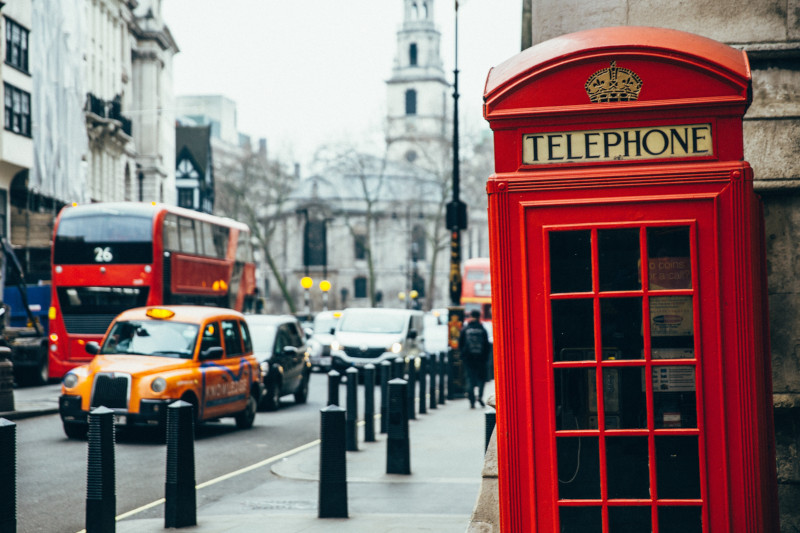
(152, 337)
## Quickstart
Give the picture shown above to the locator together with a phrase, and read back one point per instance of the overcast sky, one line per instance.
(305, 72)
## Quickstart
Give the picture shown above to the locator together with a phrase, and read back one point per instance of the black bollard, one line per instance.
(369, 403)
(411, 390)
(332, 464)
(386, 376)
(442, 381)
(491, 417)
(8, 473)
(101, 498)
(398, 451)
(399, 368)
(334, 378)
(351, 417)
(432, 372)
(423, 384)
(180, 508)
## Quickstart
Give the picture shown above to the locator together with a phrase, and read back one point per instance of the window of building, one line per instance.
(186, 170)
(315, 251)
(418, 243)
(411, 102)
(360, 242)
(360, 287)
(16, 45)
(3, 213)
(17, 110)
(412, 54)
(186, 197)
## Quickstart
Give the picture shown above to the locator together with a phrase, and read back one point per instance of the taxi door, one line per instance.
(225, 380)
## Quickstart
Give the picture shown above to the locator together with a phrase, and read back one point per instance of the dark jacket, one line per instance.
(474, 345)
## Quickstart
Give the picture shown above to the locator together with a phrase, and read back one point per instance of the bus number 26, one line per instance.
(103, 255)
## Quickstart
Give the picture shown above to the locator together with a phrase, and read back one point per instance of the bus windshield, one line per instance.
(90, 238)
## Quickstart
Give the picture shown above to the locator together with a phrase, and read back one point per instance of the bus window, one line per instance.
(220, 237)
(171, 238)
(186, 227)
(206, 236)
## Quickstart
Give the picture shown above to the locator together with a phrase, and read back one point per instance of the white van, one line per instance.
(373, 335)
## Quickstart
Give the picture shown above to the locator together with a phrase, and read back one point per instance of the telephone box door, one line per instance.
(623, 302)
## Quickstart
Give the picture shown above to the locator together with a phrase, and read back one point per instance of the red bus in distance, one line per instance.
(476, 288)
(109, 257)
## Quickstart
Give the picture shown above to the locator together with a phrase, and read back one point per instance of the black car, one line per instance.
(279, 344)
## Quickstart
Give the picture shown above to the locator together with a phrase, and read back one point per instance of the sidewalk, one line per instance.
(447, 452)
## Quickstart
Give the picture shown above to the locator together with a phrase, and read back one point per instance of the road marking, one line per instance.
(214, 481)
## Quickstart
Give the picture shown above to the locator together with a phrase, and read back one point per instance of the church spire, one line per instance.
(416, 92)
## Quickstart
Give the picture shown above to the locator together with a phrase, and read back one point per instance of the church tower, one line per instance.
(417, 92)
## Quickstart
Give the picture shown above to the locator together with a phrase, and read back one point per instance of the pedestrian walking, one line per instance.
(474, 343)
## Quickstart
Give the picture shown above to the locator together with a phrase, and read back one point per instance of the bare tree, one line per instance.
(253, 189)
(367, 175)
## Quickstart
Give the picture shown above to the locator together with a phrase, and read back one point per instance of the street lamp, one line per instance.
(324, 286)
(306, 282)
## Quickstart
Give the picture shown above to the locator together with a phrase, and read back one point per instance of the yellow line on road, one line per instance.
(214, 481)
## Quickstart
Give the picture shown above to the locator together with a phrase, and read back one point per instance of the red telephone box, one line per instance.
(631, 343)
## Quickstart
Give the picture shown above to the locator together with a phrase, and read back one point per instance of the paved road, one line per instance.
(51, 471)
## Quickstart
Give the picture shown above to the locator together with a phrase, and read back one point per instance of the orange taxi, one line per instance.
(153, 356)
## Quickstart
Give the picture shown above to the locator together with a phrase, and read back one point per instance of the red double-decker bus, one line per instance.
(476, 287)
(109, 257)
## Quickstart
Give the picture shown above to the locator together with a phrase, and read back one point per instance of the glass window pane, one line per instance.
(570, 261)
(576, 398)
(626, 401)
(677, 467)
(581, 520)
(674, 398)
(573, 330)
(669, 262)
(619, 259)
(628, 468)
(621, 328)
(629, 519)
(578, 468)
(672, 327)
(680, 519)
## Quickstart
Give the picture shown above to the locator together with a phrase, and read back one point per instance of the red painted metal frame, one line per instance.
(687, 79)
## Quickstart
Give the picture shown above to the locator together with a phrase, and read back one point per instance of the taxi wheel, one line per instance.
(272, 400)
(301, 394)
(76, 430)
(245, 419)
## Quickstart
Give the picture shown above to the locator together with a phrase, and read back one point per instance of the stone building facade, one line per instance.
(100, 113)
(769, 31)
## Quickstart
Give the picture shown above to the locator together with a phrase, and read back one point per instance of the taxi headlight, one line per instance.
(159, 385)
(396, 348)
(70, 380)
(335, 346)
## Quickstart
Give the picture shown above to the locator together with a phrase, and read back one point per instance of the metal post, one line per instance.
(351, 417)
(332, 464)
(423, 384)
(101, 498)
(491, 417)
(411, 390)
(442, 375)
(432, 371)
(386, 375)
(333, 387)
(180, 507)
(399, 368)
(369, 403)
(398, 450)
(8, 473)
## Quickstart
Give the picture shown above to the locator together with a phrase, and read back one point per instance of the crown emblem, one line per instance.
(613, 84)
